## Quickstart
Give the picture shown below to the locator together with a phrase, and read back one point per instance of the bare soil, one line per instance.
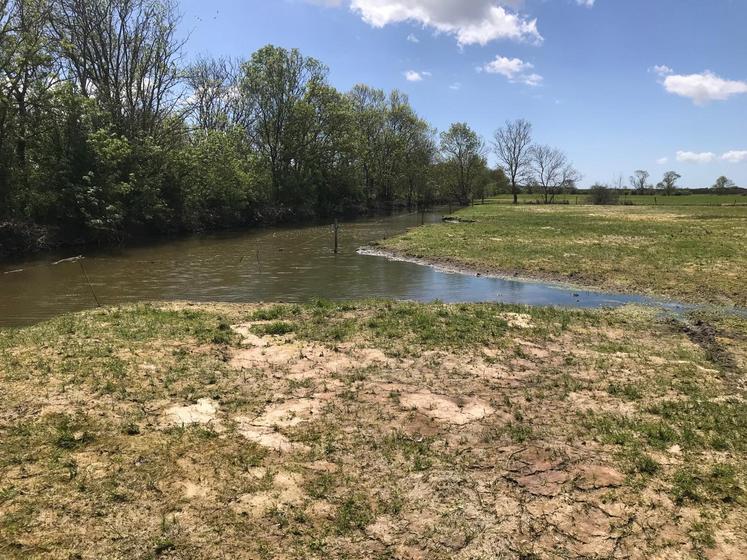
(541, 440)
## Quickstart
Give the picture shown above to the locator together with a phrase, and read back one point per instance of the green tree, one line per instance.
(275, 83)
(462, 151)
(668, 184)
(370, 115)
(723, 183)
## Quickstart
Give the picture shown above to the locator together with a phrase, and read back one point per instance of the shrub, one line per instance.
(602, 195)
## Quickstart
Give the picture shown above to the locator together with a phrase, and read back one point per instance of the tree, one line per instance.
(502, 184)
(416, 151)
(124, 53)
(275, 82)
(370, 114)
(551, 171)
(27, 73)
(603, 195)
(639, 181)
(462, 151)
(669, 183)
(215, 101)
(512, 145)
(723, 183)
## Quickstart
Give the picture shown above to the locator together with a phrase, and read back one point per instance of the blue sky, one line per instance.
(618, 84)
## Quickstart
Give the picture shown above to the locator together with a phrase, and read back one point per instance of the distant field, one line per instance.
(686, 252)
(639, 200)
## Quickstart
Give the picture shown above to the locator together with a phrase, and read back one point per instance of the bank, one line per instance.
(694, 254)
(373, 429)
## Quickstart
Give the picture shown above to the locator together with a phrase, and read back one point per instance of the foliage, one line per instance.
(462, 153)
(103, 136)
(668, 184)
(603, 195)
(723, 183)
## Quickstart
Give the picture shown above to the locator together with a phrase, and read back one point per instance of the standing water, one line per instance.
(276, 264)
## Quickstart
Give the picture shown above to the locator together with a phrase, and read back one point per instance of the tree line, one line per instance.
(639, 184)
(105, 133)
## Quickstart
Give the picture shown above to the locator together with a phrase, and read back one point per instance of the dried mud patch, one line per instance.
(203, 412)
(563, 435)
(457, 411)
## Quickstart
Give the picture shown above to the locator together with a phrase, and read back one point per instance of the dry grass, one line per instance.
(373, 430)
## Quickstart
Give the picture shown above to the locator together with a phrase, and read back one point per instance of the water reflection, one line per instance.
(280, 264)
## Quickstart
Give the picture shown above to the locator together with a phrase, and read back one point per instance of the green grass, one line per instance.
(688, 253)
(637, 200)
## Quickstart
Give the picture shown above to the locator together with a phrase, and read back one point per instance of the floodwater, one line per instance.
(273, 264)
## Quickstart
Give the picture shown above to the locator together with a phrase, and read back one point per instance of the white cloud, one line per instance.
(662, 161)
(735, 156)
(330, 3)
(587, 3)
(470, 21)
(515, 69)
(415, 76)
(508, 67)
(456, 86)
(703, 88)
(533, 80)
(695, 157)
(662, 70)
(413, 38)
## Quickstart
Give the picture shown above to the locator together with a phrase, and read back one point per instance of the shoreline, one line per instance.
(451, 266)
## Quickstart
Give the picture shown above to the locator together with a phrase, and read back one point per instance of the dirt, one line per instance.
(353, 449)
(204, 411)
(705, 335)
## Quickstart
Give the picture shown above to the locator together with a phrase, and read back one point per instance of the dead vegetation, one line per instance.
(372, 430)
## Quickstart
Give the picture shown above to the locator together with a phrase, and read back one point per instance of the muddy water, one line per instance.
(284, 264)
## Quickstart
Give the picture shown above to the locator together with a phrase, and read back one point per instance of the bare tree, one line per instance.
(125, 53)
(215, 101)
(551, 171)
(512, 145)
(639, 181)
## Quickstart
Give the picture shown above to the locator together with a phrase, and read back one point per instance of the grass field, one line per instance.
(639, 200)
(688, 253)
(373, 430)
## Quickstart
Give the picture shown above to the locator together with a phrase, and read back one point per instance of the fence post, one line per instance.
(88, 281)
(336, 227)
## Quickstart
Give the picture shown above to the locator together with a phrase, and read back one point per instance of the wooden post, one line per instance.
(336, 227)
(88, 281)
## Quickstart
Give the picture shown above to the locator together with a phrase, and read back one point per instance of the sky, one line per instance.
(619, 85)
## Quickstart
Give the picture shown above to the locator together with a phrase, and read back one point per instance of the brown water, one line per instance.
(278, 264)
